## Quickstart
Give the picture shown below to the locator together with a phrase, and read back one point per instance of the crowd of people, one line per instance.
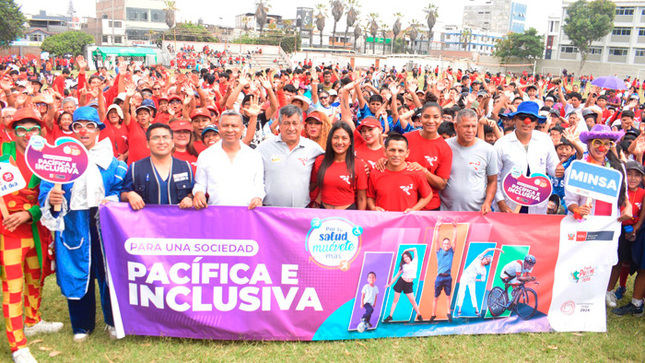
(315, 136)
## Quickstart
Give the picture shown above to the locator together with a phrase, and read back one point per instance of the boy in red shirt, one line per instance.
(396, 188)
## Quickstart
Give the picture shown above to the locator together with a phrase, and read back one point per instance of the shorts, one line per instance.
(443, 282)
(403, 286)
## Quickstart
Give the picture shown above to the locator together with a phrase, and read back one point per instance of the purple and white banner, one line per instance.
(310, 274)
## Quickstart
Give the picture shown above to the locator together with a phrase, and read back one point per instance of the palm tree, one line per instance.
(413, 33)
(352, 15)
(320, 19)
(384, 31)
(373, 29)
(432, 13)
(337, 9)
(396, 29)
(170, 10)
(465, 36)
(357, 34)
(262, 7)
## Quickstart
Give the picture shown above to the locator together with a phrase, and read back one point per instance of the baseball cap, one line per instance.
(200, 112)
(634, 165)
(332, 92)
(210, 128)
(118, 109)
(369, 122)
(181, 125)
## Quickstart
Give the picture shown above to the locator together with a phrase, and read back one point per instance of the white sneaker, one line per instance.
(610, 299)
(43, 327)
(80, 337)
(23, 355)
(111, 331)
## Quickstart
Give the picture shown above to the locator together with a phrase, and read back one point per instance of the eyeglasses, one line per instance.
(599, 143)
(40, 104)
(158, 138)
(23, 131)
(174, 102)
(146, 93)
(90, 126)
(324, 97)
(156, 89)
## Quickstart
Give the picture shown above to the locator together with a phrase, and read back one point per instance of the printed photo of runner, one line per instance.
(444, 263)
(402, 287)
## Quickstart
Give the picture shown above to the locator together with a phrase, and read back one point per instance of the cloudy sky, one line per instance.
(221, 12)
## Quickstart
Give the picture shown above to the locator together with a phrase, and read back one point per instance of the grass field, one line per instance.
(624, 341)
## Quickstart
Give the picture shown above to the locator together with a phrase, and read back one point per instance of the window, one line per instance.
(641, 32)
(144, 16)
(595, 50)
(619, 52)
(118, 24)
(640, 52)
(132, 14)
(118, 39)
(104, 16)
(36, 38)
(105, 39)
(110, 24)
(621, 31)
(568, 49)
(624, 11)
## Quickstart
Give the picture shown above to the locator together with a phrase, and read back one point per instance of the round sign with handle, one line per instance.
(526, 191)
(61, 163)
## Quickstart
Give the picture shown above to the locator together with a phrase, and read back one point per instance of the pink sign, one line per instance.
(62, 163)
(527, 191)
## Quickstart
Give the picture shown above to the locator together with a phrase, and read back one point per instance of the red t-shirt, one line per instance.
(338, 188)
(199, 146)
(186, 156)
(397, 191)
(162, 118)
(137, 142)
(118, 138)
(636, 199)
(367, 155)
(435, 155)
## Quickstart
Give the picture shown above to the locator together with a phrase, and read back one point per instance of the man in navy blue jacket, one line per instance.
(159, 178)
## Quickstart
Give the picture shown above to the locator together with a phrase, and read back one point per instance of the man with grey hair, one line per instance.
(69, 104)
(229, 171)
(288, 160)
(7, 135)
(473, 177)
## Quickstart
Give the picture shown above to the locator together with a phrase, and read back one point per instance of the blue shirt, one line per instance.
(558, 183)
(444, 260)
(163, 189)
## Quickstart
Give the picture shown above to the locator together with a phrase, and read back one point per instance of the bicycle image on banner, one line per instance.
(511, 293)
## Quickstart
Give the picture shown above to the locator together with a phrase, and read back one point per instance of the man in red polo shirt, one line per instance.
(397, 188)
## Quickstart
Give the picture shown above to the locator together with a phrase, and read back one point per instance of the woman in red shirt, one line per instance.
(183, 139)
(339, 175)
(61, 128)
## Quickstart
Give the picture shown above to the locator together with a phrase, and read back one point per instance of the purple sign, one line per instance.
(62, 163)
(300, 274)
(527, 191)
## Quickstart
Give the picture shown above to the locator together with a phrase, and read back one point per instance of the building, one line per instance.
(497, 16)
(127, 22)
(468, 39)
(247, 21)
(625, 45)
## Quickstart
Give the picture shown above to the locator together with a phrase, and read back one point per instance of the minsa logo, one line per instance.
(406, 188)
(431, 159)
(346, 179)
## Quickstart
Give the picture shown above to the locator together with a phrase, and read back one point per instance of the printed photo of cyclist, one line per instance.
(515, 296)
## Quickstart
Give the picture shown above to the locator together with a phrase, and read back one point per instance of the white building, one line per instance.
(469, 39)
(625, 45)
(128, 22)
(498, 16)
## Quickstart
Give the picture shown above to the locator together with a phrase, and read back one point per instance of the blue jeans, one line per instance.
(368, 312)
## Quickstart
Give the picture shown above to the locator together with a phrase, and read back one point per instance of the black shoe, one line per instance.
(432, 318)
(450, 317)
(419, 318)
(629, 309)
(388, 319)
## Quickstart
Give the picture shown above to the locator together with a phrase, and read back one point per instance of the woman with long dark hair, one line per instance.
(338, 174)
(405, 282)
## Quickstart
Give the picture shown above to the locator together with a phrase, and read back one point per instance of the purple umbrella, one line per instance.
(609, 82)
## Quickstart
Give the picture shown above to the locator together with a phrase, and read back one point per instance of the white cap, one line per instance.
(118, 109)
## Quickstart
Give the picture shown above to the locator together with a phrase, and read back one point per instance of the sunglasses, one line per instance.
(23, 131)
(90, 127)
(599, 143)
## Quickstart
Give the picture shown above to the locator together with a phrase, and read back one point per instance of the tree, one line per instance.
(413, 33)
(352, 15)
(384, 31)
(170, 10)
(11, 22)
(373, 29)
(337, 9)
(190, 32)
(262, 7)
(68, 42)
(587, 22)
(465, 36)
(528, 45)
(396, 29)
(357, 33)
(320, 19)
(432, 13)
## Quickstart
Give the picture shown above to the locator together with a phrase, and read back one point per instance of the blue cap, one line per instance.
(528, 108)
(147, 104)
(87, 113)
(210, 128)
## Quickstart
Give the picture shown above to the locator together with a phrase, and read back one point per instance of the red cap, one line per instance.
(26, 114)
(174, 97)
(315, 116)
(212, 108)
(162, 98)
(369, 122)
(181, 125)
(200, 112)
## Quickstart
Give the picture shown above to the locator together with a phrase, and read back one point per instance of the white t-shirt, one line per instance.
(370, 293)
(410, 270)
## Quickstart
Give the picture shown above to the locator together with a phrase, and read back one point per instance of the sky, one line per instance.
(212, 12)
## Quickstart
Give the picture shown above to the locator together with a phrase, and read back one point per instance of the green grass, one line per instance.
(624, 341)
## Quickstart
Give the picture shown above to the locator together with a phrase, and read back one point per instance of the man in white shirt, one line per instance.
(526, 151)
(288, 160)
(231, 172)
